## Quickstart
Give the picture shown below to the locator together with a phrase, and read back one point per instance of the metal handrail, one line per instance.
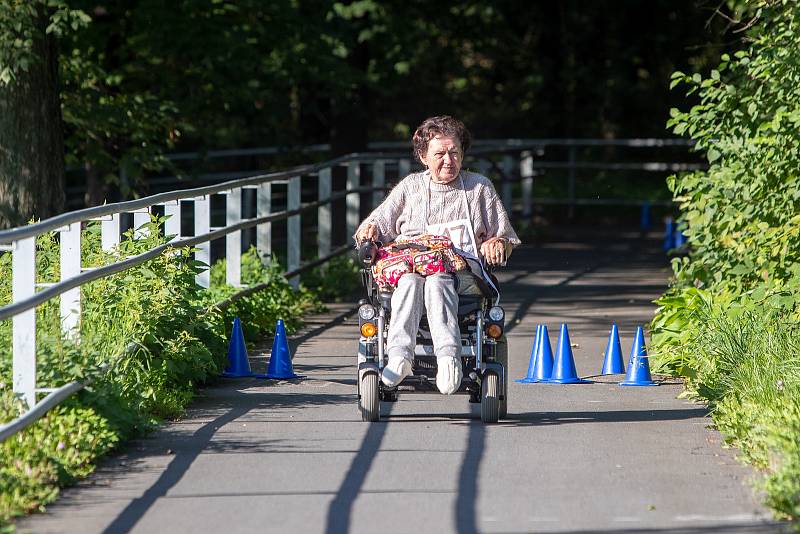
(60, 221)
(59, 288)
(223, 304)
(478, 143)
(54, 398)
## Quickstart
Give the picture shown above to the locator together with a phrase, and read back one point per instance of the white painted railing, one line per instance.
(21, 243)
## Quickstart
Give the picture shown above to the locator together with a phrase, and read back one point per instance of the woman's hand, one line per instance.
(369, 232)
(494, 250)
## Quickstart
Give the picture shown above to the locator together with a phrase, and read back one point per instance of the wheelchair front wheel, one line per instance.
(368, 397)
(502, 359)
(490, 400)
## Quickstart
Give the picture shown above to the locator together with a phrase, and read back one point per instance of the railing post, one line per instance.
(378, 181)
(23, 325)
(353, 201)
(571, 182)
(526, 172)
(293, 225)
(507, 183)
(403, 168)
(202, 225)
(172, 226)
(70, 251)
(264, 230)
(110, 232)
(324, 214)
(140, 218)
(233, 241)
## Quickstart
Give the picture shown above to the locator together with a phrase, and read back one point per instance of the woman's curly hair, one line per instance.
(443, 125)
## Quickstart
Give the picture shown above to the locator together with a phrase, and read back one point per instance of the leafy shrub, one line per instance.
(338, 279)
(730, 321)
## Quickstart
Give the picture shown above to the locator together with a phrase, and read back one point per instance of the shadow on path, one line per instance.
(341, 507)
(467, 501)
(136, 509)
(615, 416)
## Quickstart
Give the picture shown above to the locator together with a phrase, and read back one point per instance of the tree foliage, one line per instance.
(142, 78)
(18, 31)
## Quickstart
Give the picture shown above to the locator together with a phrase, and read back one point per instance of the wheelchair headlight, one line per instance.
(496, 313)
(366, 312)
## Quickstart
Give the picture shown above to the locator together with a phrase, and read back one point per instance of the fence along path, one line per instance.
(513, 159)
(21, 242)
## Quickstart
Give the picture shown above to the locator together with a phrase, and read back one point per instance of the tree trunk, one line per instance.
(32, 178)
(96, 189)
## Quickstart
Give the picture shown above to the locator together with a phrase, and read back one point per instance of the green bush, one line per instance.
(729, 322)
(148, 337)
(338, 279)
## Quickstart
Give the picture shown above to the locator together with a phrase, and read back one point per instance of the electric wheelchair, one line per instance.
(484, 351)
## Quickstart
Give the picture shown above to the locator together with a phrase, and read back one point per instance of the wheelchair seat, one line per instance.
(471, 289)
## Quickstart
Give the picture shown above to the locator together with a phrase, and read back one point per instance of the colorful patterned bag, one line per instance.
(425, 255)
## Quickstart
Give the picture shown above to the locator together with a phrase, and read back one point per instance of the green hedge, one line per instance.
(730, 321)
(180, 343)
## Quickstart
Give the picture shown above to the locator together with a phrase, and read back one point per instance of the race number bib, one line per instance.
(461, 235)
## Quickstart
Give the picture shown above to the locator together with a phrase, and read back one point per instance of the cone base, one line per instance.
(236, 375)
(646, 383)
(280, 377)
(613, 371)
(566, 381)
(531, 380)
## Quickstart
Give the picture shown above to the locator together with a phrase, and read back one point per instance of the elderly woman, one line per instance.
(443, 199)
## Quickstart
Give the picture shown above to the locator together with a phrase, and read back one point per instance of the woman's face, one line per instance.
(443, 159)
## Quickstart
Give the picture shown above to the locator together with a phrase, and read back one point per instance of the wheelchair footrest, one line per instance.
(417, 383)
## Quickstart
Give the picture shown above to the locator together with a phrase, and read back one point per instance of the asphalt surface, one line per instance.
(257, 455)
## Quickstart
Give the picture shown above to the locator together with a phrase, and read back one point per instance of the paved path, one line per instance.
(264, 456)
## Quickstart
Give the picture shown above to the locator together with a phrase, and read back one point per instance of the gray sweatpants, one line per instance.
(435, 294)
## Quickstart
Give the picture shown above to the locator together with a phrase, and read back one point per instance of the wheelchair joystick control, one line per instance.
(367, 251)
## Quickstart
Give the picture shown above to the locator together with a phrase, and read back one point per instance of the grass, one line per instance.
(746, 366)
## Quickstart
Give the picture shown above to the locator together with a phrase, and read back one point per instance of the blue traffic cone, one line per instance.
(564, 363)
(280, 359)
(238, 364)
(638, 366)
(541, 365)
(669, 235)
(613, 364)
(529, 377)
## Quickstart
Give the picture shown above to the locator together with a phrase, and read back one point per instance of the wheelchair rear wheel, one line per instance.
(368, 397)
(490, 400)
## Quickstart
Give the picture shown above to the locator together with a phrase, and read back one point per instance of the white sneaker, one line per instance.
(397, 368)
(449, 375)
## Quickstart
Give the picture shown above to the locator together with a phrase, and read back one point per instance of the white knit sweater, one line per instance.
(402, 214)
